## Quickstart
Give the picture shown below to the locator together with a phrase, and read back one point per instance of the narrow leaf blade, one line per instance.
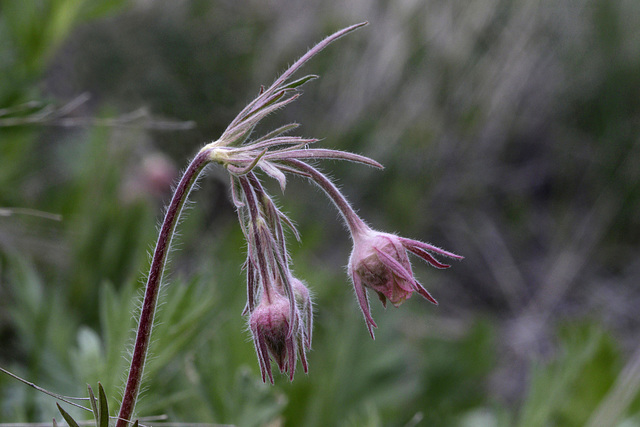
(92, 400)
(68, 418)
(297, 83)
(103, 420)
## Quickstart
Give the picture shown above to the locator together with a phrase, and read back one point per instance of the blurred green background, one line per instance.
(510, 134)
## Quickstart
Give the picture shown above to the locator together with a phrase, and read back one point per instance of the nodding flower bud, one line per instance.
(270, 323)
(379, 261)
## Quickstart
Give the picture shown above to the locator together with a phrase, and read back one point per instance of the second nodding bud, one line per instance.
(270, 325)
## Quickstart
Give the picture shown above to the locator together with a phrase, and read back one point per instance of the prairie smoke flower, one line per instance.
(270, 324)
(278, 305)
(379, 262)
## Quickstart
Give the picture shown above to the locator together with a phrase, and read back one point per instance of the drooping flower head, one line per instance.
(269, 323)
(279, 336)
(379, 261)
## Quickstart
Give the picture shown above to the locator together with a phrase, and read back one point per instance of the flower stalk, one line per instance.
(352, 220)
(154, 281)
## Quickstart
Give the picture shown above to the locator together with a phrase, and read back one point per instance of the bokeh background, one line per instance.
(510, 134)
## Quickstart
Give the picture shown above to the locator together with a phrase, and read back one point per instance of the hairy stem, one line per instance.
(152, 289)
(257, 238)
(350, 216)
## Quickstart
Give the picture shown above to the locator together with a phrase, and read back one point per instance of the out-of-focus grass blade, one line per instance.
(92, 399)
(103, 419)
(68, 418)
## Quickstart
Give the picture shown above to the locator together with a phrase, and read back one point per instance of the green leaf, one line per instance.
(99, 9)
(103, 419)
(186, 310)
(68, 418)
(115, 322)
(92, 400)
(297, 83)
(566, 390)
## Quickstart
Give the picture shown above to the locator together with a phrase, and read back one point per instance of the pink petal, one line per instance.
(382, 298)
(364, 304)
(303, 357)
(427, 257)
(263, 357)
(397, 269)
(410, 243)
(422, 291)
(291, 351)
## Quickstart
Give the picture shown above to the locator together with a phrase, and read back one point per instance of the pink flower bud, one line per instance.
(379, 261)
(269, 323)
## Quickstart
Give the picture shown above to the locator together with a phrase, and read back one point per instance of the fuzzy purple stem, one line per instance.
(353, 221)
(149, 303)
(259, 243)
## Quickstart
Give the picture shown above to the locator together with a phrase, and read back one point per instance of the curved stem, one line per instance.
(351, 218)
(149, 303)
